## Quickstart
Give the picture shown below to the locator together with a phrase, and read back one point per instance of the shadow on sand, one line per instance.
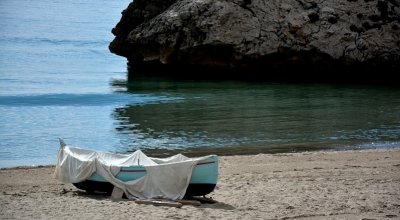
(205, 202)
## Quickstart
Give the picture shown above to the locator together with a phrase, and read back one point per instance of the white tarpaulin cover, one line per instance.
(166, 177)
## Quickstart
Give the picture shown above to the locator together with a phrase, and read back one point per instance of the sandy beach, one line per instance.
(361, 184)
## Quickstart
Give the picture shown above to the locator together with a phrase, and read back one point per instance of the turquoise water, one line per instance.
(58, 79)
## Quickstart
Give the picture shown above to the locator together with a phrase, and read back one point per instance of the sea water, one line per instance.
(59, 80)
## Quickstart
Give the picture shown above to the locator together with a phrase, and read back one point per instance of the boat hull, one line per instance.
(91, 187)
(203, 179)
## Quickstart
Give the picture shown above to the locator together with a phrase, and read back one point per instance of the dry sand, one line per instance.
(320, 185)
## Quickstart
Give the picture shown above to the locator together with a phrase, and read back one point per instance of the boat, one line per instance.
(136, 174)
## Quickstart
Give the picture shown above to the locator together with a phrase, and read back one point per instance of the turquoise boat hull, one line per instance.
(203, 180)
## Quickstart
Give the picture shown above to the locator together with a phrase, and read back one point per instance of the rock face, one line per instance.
(261, 38)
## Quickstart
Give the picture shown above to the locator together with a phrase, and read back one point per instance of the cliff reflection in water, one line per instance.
(244, 118)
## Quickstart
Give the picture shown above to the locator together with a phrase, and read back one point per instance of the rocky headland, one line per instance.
(301, 40)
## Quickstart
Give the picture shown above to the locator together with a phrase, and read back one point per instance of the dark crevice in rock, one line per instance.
(245, 4)
(313, 17)
(374, 18)
(356, 29)
(332, 20)
(308, 4)
(366, 25)
(383, 8)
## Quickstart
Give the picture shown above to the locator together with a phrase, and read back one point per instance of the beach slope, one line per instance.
(361, 184)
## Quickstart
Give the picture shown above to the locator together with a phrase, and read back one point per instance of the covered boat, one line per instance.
(137, 175)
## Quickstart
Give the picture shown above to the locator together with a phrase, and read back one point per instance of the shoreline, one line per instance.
(229, 154)
(354, 184)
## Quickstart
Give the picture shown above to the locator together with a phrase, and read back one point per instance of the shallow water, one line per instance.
(247, 117)
(58, 80)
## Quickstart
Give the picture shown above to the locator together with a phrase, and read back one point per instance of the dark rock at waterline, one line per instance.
(301, 40)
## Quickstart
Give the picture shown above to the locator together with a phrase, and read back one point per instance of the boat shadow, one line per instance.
(94, 195)
(214, 204)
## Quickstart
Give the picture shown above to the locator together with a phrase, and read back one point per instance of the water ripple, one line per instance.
(84, 99)
(57, 42)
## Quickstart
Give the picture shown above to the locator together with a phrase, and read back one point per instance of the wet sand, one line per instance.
(361, 184)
